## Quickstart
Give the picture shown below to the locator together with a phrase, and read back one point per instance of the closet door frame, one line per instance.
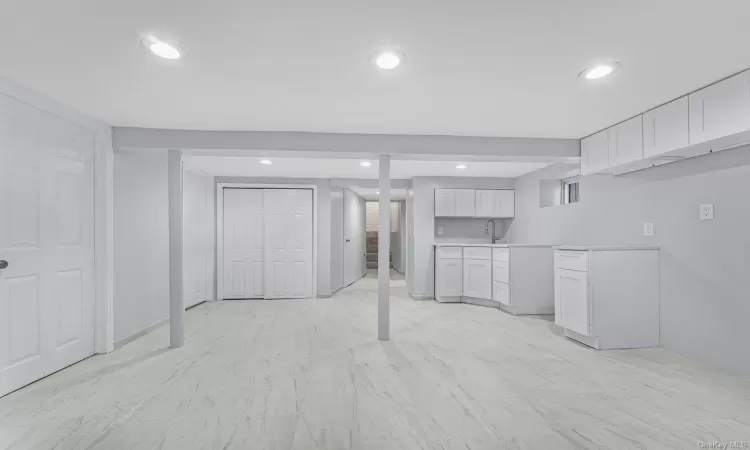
(219, 263)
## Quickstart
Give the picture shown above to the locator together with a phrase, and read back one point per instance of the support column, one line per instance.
(176, 303)
(384, 248)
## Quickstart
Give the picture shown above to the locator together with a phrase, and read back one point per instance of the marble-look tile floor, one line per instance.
(310, 374)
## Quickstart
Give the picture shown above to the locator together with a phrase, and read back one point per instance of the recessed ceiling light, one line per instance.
(377, 192)
(365, 164)
(161, 49)
(461, 166)
(389, 60)
(599, 71)
(265, 161)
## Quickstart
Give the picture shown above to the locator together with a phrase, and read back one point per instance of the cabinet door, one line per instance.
(501, 292)
(721, 109)
(505, 203)
(478, 278)
(628, 141)
(449, 277)
(485, 203)
(572, 294)
(465, 203)
(445, 202)
(594, 153)
(666, 128)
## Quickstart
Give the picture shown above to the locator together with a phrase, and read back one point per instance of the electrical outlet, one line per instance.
(707, 212)
(440, 231)
(648, 229)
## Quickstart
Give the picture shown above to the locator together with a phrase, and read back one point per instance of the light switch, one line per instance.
(440, 231)
(707, 212)
(648, 229)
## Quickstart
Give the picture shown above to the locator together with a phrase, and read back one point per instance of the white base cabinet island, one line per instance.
(607, 297)
(516, 278)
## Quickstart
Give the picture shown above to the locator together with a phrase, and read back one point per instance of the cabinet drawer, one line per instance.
(572, 260)
(500, 254)
(477, 253)
(449, 252)
(501, 271)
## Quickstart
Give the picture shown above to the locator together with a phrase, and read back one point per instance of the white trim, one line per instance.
(128, 339)
(220, 228)
(103, 205)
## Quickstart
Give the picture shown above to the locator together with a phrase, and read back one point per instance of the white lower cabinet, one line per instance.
(573, 293)
(608, 297)
(449, 279)
(515, 278)
(501, 292)
(478, 278)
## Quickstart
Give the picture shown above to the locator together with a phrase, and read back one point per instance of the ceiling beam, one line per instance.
(366, 144)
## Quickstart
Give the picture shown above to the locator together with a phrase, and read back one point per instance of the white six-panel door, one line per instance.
(289, 237)
(244, 244)
(46, 236)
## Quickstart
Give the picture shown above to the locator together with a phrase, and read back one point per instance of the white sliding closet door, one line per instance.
(289, 241)
(243, 244)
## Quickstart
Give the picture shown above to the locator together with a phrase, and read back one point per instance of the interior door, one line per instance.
(354, 234)
(194, 238)
(243, 244)
(372, 216)
(573, 291)
(289, 243)
(46, 237)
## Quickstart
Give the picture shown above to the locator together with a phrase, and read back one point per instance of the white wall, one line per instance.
(198, 237)
(421, 279)
(704, 265)
(337, 238)
(324, 220)
(141, 241)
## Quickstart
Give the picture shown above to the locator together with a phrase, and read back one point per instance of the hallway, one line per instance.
(302, 374)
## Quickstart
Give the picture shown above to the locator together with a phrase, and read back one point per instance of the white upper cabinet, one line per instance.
(495, 203)
(465, 203)
(445, 202)
(594, 153)
(627, 139)
(721, 109)
(666, 128)
(485, 202)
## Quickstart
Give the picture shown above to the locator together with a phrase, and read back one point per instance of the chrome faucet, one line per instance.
(493, 238)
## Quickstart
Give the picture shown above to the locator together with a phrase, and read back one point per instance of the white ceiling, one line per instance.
(351, 168)
(474, 67)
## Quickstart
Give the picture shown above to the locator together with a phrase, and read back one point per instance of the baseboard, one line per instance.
(364, 274)
(420, 296)
(141, 333)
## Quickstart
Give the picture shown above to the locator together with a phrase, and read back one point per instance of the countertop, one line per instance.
(458, 244)
(604, 248)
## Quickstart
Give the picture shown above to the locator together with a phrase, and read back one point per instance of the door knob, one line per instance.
(348, 240)
(3, 264)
